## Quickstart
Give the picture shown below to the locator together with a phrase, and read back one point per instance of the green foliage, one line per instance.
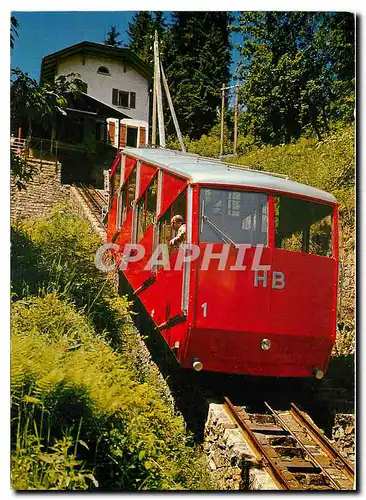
(30, 103)
(14, 25)
(197, 65)
(22, 171)
(207, 145)
(112, 37)
(37, 264)
(84, 409)
(57, 469)
(141, 32)
(297, 70)
(131, 439)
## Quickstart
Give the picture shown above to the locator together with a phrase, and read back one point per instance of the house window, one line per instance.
(103, 70)
(123, 98)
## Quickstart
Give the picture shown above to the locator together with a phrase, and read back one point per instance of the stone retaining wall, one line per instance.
(343, 434)
(43, 192)
(232, 463)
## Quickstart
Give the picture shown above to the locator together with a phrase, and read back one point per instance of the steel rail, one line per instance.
(323, 442)
(274, 469)
(92, 201)
(315, 461)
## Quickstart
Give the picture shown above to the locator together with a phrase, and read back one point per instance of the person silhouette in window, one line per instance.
(180, 229)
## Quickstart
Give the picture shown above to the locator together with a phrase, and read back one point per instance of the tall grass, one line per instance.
(83, 416)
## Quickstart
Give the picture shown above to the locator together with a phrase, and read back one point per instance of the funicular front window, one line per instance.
(303, 226)
(228, 216)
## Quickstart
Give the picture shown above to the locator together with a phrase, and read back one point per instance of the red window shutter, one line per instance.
(142, 136)
(123, 136)
(111, 131)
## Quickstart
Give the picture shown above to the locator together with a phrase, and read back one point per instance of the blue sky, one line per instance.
(41, 33)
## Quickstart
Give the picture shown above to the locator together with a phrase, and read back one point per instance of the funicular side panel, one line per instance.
(163, 298)
(159, 289)
(302, 312)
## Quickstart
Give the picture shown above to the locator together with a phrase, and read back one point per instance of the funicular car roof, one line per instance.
(203, 170)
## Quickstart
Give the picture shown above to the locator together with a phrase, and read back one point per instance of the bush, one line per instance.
(78, 390)
(56, 254)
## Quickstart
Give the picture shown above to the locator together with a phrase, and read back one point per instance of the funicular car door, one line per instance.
(231, 299)
(169, 281)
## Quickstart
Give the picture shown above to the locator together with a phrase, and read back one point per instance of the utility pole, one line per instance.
(171, 107)
(236, 119)
(158, 93)
(222, 120)
(153, 127)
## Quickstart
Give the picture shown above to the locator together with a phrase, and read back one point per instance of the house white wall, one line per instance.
(100, 86)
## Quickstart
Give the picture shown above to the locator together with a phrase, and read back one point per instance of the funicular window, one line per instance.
(126, 198)
(166, 232)
(115, 180)
(131, 189)
(303, 226)
(122, 207)
(233, 217)
(146, 208)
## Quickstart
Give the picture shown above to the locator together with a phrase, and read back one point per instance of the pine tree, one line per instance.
(289, 70)
(112, 37)
(197, 64)
(141, 33)
(337, 37)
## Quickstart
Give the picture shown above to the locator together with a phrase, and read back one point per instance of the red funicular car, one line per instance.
(218, 311)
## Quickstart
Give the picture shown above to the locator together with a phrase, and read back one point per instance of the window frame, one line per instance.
(241, 189)
(107, 73)
(333, 244)
(143, 197)
(116, 98)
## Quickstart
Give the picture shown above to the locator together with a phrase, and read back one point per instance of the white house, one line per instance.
(115, 79)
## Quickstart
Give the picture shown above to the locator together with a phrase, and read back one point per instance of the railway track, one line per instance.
(293, 450)
(96, 202)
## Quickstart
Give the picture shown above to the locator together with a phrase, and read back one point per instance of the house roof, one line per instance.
(50, 61)
(85, 103)
(211, 171)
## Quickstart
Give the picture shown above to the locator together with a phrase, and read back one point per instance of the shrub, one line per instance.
(56, 254)
(84, 393)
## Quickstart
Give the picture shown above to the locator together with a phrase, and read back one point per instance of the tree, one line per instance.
(337, 37)
(14, 25)
(112, 37)
(32, 103)
(197, 64)
(287, 73)
(141, 34)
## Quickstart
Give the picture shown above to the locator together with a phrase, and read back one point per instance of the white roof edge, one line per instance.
(205, 171)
